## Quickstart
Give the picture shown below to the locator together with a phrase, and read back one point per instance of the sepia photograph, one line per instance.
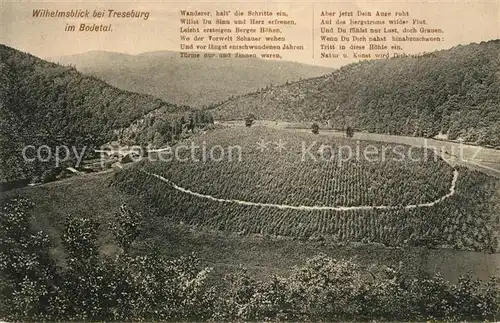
(224, 161)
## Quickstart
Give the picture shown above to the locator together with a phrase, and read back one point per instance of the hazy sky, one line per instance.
(462, 22)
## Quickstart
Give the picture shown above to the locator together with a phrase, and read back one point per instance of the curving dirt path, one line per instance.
(313, 208)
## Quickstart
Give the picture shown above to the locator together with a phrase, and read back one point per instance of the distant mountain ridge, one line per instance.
(194, 82)
(453, 92)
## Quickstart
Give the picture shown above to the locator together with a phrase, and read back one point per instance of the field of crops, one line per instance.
(464, 220)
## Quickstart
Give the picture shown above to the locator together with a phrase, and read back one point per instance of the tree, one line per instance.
(79, 238)
(84, 280)
(315, 128)
(249, 120)
(177, 129)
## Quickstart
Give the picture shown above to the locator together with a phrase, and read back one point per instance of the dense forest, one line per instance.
(91, 285)
(453, 92)
(43, 103)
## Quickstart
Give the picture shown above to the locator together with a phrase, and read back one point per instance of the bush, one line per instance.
(150, 287)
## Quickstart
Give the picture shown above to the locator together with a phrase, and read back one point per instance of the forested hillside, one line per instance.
(195, 82)
(43, 103)
(455, 92)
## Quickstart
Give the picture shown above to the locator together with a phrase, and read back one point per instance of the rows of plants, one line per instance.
(468, 220)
